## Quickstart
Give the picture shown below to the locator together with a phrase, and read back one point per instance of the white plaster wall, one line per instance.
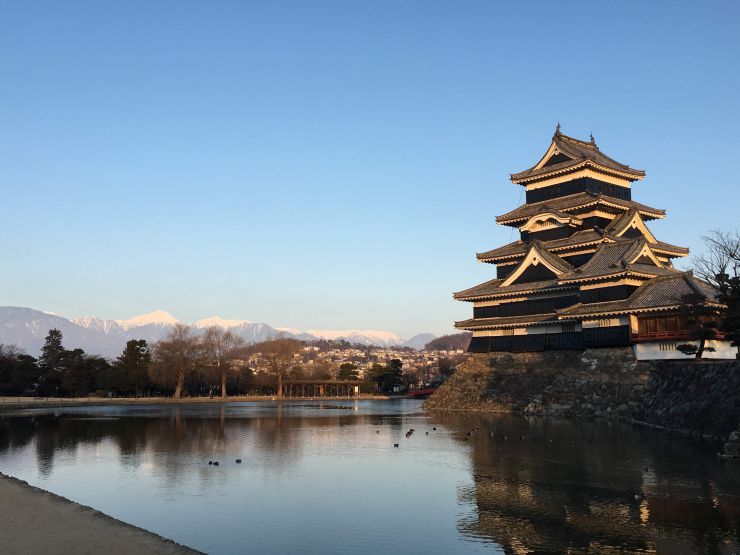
(652, 351)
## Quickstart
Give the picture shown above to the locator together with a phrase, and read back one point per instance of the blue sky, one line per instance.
(334, 164)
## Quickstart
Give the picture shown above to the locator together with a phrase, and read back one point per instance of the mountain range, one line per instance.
(26, 328)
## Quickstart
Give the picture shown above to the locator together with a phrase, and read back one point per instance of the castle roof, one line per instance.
(507, 321)
(575, 202)
(623, 257)
(612, 260)
(493, 288)
(660, 293)
(580, 239)
(566, 154)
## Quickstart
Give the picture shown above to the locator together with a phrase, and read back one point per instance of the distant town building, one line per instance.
(586, 270)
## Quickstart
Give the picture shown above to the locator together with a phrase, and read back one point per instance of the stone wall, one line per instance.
(701, 398)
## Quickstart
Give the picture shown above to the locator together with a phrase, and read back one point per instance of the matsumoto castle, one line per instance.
(586, 271)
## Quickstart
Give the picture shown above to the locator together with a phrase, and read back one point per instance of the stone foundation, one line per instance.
(701, 398)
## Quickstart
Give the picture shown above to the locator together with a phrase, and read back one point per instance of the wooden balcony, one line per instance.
(667, 336)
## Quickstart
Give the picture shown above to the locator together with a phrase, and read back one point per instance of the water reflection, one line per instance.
(556, 487)
(325, 478)
(213, 432)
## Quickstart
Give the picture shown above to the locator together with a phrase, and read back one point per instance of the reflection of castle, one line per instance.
(586, 271)
(593, 488)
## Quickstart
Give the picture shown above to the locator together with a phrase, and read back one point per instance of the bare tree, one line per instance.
(721, 260)
(222, 347)
(279, 356)
(176, 356)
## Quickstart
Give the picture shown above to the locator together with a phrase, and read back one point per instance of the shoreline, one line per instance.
(8, 404)
(36, 521)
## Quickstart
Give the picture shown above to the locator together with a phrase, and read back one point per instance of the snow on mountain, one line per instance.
(219, 322)
(156, 318)
(27, 328)
(105, 326)
(363, 337)
(290, 331)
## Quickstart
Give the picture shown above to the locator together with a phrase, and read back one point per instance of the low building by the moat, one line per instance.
(586, 271)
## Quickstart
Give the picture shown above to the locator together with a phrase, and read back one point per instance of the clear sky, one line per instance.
(334, 164)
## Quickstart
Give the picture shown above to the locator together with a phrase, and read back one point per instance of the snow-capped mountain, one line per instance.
(363, 337)
(219, 322)
(159, 318)
(26, 328)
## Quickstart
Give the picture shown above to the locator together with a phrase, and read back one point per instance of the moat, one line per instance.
(325, 477)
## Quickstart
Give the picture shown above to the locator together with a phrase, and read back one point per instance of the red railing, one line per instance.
(667, 335)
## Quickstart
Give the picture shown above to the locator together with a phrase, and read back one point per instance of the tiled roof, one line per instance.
(492, 289)
(509, 321)
(620, 222)
(658, 293)
(479, 290)
(574, 202)
(520, 247)
(609, 261)
(613, 258)
(578, 153)
(550, 258)
(674, 249)
(512, 249)
(579, 238)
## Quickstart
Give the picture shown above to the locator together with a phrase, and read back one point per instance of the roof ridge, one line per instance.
(589, 144)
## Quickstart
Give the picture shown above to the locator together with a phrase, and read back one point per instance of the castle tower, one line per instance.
(586, 270)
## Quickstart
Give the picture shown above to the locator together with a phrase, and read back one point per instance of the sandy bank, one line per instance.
(35, 521)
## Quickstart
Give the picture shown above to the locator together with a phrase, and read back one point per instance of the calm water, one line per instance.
(325, 478)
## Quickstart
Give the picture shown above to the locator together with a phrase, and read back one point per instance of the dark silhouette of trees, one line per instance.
(222, 347)
(348, 371)
(279, 356)
(176, 356)
(52, 351)
(50, 362)
(702, 321)
(386, 377)
(720, 266)
(19, 372)
(452, 342)
(131, 368)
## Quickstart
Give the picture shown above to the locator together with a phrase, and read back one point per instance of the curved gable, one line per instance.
(538, 265)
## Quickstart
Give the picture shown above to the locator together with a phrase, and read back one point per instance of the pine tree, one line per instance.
(52, 351)
(702, 322)
(133, 366)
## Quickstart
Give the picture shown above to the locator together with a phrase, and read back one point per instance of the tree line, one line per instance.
(182, 363)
